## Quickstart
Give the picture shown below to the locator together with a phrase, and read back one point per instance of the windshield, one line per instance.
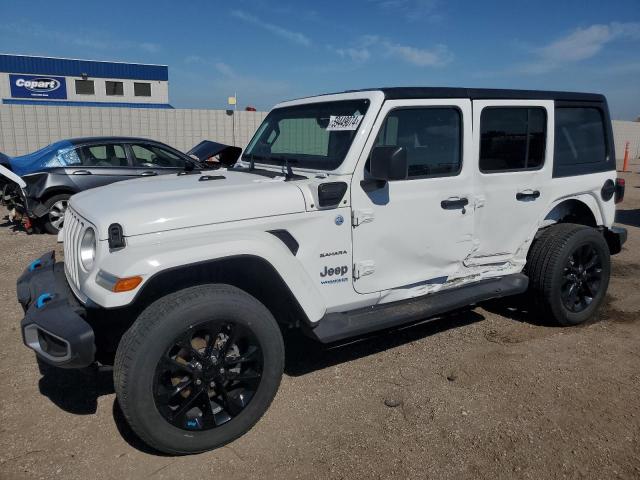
(314, 135)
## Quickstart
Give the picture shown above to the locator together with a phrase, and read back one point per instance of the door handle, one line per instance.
(82, 172)
(454, 203)
(527, 195)
(148, 173)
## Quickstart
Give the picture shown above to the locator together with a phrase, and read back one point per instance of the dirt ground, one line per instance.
(487, 393)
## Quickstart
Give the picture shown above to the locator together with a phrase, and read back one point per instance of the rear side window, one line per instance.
(109, 155)
(512, 138)
(581, 143)
(431, 136)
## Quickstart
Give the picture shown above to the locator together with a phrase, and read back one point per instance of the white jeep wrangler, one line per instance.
(345, 214)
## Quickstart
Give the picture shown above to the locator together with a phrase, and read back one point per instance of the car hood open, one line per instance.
(227, 154)
(170, 202)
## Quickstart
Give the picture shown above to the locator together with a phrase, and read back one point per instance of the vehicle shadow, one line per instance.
(74, 391)
(304, 355)
(628, 217)
(517, 308)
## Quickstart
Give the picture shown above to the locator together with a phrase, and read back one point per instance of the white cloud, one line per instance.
(225, 70)
(290, 35)
(581, 44)
(94, 40)
(357, 55)
(422, 57)
(412, 10)
(368, 46)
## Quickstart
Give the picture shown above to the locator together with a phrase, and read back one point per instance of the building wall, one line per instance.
(25, 128)
(159, 90)
(624, 132)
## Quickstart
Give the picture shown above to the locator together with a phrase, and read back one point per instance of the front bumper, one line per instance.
(53, 325)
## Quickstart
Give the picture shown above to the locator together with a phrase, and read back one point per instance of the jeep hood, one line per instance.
(169, 202)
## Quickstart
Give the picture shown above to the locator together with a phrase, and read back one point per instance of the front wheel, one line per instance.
(198, 368)
(569, 267)
(56, 207)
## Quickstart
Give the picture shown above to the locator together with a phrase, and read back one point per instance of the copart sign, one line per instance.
(31, 86)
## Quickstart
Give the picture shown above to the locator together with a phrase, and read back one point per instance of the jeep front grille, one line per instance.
(72, 229)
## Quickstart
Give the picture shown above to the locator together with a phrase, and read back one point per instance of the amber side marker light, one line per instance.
(126, 284)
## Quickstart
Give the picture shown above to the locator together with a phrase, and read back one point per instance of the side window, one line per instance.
(431, 136)
(107, 155)
(152, 156)
(580, 136)
(512, 138)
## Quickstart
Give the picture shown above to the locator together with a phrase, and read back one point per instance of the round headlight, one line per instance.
(88, 248)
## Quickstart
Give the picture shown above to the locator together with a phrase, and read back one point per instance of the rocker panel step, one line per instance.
(338, 326)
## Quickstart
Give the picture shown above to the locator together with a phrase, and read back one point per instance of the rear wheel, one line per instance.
(568, 268)
(198, 368)
(56, 207)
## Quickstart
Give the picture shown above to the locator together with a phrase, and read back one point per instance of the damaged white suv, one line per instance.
(346, 213)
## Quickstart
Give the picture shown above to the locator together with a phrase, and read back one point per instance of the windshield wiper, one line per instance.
(252, 158)
(287, 171)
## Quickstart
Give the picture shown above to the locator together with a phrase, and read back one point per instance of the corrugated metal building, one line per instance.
(69, 82)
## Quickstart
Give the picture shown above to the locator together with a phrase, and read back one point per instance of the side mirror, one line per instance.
(388, 163)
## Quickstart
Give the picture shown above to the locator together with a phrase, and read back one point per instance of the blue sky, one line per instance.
(271, 51)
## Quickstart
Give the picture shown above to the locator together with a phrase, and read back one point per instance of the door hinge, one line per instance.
(358, 217)
(366, 267)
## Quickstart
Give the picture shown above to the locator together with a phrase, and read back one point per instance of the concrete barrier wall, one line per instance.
(624, 132)
(25, 128)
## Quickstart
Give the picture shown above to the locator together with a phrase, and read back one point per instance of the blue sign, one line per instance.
(33, 86)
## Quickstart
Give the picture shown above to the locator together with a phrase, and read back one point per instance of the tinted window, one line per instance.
(142, 89)
(580, 136)
(114, 88)
(152, 156)
(108, 155)
(512, 138)
(431, 136)
(85, 87)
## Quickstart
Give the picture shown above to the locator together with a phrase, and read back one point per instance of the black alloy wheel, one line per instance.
(208, 375)
(582, 278)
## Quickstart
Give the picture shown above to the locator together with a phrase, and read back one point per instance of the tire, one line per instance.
(564, 288)
(137, 381)
(55, 205)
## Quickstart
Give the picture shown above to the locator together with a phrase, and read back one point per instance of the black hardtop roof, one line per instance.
(397, 93)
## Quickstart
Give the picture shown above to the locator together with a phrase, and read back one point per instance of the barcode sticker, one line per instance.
(344, 122)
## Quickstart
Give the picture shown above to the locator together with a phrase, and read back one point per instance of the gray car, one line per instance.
(57, 171)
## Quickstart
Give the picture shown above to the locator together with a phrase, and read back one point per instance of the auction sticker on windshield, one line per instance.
(344, 122)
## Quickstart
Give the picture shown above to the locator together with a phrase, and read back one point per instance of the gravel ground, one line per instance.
(486, 393)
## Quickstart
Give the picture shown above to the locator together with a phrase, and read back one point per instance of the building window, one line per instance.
(85, 87)
(114, 88)
(141, 89)
(512, 138)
